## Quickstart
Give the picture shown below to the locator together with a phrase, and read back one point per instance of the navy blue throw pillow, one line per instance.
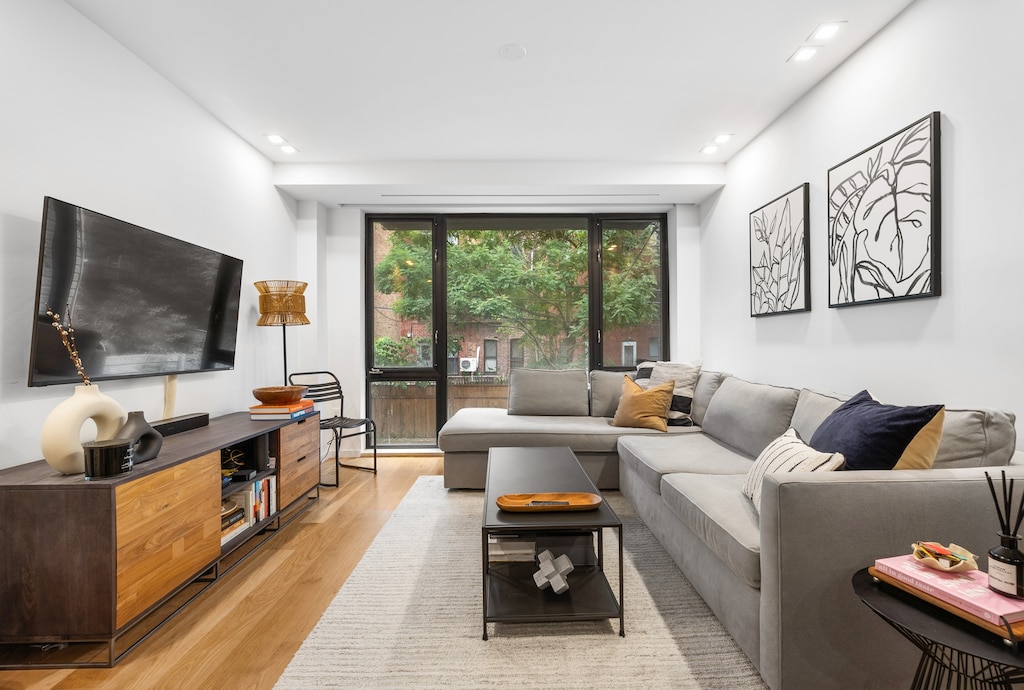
(870, 435)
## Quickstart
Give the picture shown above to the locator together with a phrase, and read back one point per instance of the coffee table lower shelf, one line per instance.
(513, 597)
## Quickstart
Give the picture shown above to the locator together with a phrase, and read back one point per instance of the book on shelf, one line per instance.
(231, 532)
(263, 498)
(232, 517)
(510, 549)
(247, 501)
(267, 417)
(303, 404)
(968, 591)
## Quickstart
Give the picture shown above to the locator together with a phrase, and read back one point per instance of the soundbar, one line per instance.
(187, 422)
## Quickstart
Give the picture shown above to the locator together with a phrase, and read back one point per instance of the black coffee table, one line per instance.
(509, 591)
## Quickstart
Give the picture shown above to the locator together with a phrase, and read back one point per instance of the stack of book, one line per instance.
(233, 520)
(965, 594)
(278, 412)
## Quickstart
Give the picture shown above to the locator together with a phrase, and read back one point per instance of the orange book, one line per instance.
(303, 404)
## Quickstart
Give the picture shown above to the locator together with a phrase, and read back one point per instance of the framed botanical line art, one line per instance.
(884, 219)
(780, 276)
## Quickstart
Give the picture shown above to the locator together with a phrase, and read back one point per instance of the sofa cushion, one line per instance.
(650, 456)
(787, 453)
(548, 392)
(873, 436)
(714, 508)
(707, 385)
(644, 408)
(605, 390)
(684, 374)
(811, 410)
(976, 438)
(476, 429)
(749, 416)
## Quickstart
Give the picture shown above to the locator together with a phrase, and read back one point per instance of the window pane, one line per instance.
(402, 295)
(631, 291)
(404, 412)
(517, 296)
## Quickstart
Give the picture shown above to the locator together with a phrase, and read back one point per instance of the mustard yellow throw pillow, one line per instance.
(646, 409)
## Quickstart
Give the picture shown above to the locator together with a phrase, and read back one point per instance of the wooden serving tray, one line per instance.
(548, 502)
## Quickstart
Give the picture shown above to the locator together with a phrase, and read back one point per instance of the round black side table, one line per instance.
(954, 652)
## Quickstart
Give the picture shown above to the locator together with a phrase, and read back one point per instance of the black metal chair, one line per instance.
(324, 388)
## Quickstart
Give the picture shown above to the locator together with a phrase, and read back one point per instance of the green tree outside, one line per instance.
(532, 284)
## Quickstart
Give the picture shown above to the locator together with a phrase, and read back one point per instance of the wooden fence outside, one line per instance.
(404, 414)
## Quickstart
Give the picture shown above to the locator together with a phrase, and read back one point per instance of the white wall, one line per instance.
(961, 349)
(85, 121)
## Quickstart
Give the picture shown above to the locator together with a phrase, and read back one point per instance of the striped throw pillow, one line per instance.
(685, 376)
(787, 453)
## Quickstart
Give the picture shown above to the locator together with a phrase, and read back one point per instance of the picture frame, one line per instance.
(884, 219)
(780, 244)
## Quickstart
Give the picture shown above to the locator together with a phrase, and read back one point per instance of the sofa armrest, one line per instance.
(818, 529)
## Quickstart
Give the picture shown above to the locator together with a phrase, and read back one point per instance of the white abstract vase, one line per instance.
(61, 441)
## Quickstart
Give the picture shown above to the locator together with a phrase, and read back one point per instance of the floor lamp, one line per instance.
(282, 304)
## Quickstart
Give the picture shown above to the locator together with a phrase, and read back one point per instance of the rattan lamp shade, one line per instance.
(282, 303)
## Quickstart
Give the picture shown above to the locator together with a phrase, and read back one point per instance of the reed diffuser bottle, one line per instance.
(1006, 562)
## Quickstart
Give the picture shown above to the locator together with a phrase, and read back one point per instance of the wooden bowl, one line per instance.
(279, 395)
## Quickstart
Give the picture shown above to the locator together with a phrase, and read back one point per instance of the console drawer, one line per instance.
(298, 459)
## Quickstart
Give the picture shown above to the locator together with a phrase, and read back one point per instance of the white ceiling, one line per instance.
(404, 82)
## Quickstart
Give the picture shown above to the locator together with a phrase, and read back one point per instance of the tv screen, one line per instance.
(142, 303)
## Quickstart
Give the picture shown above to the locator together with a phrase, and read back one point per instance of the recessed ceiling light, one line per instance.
(512, 51)
(722, 138)
(709, 149)
(288, 148)
(826, 31)
(803, 53)
(275, 139)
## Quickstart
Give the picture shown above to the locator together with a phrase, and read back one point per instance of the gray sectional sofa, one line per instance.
(545, 408)
(778, 578)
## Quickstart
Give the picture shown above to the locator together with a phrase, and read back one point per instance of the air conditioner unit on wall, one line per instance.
(470, 365)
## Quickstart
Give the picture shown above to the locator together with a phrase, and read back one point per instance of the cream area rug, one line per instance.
(409, 616)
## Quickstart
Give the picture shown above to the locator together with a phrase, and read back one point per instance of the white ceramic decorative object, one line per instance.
(61, 441)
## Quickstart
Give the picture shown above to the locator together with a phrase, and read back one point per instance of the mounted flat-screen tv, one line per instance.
(142, 303)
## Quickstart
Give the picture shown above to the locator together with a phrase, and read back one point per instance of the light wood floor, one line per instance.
(243, 631)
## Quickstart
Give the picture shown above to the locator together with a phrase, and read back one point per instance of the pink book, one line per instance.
(968, 590)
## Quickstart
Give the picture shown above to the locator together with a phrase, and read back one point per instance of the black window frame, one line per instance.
(438, 371)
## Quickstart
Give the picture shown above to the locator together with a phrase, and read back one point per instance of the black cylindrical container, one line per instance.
(107, 458)
(1006, 567)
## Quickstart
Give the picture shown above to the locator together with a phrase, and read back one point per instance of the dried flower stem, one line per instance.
(67, 336)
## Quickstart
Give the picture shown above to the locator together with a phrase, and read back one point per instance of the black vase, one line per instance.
(145, 439)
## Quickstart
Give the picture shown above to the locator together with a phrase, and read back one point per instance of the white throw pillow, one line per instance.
(787, 453)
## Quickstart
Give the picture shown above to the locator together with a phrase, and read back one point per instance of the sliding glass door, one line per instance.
(459, 301)
(402, 377)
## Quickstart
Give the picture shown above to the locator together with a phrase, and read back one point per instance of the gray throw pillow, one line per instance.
(605, 390)
(548, 392)
(748, 416)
